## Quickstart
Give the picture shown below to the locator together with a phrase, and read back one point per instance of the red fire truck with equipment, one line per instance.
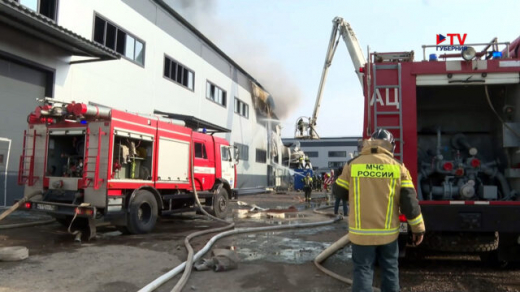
(454, 116)
(104, 165)
(458, 132)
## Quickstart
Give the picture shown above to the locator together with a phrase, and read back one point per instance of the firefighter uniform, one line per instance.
(300, 162)
(308, 162)
(307, 186)
(378, 187)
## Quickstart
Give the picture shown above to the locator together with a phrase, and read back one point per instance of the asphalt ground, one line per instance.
(269, 261)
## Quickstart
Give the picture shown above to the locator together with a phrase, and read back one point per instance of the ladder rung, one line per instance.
(389, 127)
(387, 86)
(388, 113)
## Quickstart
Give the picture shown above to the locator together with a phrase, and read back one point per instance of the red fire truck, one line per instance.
(458, 132)
(105, 165)
(454, 115)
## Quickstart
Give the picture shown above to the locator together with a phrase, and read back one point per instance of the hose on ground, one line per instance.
(28, 224)
(342, 242)
(328, 252)
(17, 205)
(189, 260)
(172, 273)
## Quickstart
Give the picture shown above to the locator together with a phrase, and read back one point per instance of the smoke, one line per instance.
(249, 54)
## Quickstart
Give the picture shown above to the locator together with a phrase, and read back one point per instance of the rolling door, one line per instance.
(20, 87)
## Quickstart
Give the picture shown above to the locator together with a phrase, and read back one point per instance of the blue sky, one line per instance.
(283, 43)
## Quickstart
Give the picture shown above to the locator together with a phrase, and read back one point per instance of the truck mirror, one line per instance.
(237, 154)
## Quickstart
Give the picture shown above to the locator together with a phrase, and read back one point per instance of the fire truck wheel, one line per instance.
(142, 213)
(221, 204)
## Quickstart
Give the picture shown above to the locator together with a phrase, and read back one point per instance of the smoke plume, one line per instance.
(249, 54)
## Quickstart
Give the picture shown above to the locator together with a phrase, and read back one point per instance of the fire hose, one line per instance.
(190, 258)
(16, 206)
(184, 266)
(188, 264)
(172, 273)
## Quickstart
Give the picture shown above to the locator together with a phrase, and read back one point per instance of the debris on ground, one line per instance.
(222, 260)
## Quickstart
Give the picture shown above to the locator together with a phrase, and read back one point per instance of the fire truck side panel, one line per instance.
(32, 161)
(409, 119)
(173, 161)
(173, 170)
(96, 163)
(204, 161)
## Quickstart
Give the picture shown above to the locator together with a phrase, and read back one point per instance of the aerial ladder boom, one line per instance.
(306, 129)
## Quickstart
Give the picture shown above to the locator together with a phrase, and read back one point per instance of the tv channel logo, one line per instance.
(453, 37)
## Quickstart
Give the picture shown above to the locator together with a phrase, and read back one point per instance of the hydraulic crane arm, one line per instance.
(349, 37)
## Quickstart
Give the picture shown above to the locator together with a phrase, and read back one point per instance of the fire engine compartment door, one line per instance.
(39, 157)
(173, 162)
(97, 196)
(467, 79)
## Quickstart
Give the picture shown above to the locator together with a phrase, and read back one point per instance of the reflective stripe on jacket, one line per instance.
(378, 187)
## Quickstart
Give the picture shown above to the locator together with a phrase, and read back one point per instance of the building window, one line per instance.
(179, 73)
(115, 38)
(215, 94)
(336, 164)
(48, 8)
(241, 108)
(243, 151)
(337, 153)
(200, 151)
(261, 156)
(312, 153)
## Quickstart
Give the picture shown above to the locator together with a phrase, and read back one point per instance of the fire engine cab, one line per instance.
(83, 161)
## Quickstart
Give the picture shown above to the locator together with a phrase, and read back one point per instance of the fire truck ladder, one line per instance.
(92, 159)
(398, 113)
(26, 167)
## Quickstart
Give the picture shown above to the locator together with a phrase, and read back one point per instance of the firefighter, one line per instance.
(308, 164)
(380, 186)
(300, 162)
(326, 182)
(319, 182)
(307, 186)
(301, 126)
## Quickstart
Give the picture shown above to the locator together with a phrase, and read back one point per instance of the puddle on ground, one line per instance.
(284, 247)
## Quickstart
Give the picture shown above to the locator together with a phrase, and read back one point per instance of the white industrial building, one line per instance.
(327, 153)
(135, 55)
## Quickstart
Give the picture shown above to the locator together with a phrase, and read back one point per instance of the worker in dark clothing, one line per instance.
(315, 182)
(307, 186)
(378, 187)
(339, 196)
(301, 126)
(319, 182)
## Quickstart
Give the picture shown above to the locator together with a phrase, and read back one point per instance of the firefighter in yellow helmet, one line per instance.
(300, 162)
(378, 186)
